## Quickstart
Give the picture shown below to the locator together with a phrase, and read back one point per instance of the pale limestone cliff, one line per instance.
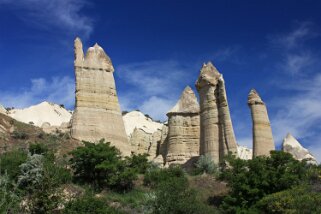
(292, 146)
(263, 141)
(183, 129)
(217, 134)
(244, 153)
(97, 114)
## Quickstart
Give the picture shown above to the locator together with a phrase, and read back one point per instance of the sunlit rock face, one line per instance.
(97, 113)
(217, 135)
(292, 146)
(263, 141)
(183, 129)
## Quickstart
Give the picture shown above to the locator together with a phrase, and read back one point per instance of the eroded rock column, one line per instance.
(263, 141)
(183, 129)
(97, 113)
(217, 135)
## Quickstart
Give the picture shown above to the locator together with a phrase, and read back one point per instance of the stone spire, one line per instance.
(183, 129)
(263, 141)
(97, 113)
(217, 134)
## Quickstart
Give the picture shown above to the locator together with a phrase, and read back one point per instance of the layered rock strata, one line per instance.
(183, 129)
(263, 141)
(97, 114)
(217, 135)
(292, 146)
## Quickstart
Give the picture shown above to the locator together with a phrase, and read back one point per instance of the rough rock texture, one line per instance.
(42, 113)
(2, 110)
(136, 119)
(263, 141)
(97, 114)
(217, 134)
(244, 153)
(183, 129)
(292, 146)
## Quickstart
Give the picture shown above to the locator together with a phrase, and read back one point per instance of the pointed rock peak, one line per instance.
(78, 40)
(186, 104)
(79, 53)
(96, 57)
(208, 75)
(290, 140)
(96, 46)
(254, 98)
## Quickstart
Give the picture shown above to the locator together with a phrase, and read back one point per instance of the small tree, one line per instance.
(205, 164)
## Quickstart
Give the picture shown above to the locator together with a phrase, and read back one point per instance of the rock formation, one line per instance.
(183, 129)
(244, 153)
(97, 114)
(217, 134)
(292, 146)
(2, 110)
(263, 141)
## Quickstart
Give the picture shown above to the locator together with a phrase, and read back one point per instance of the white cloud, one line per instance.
(298, 63)
(154, 86)
(60, 90)
(61, 14)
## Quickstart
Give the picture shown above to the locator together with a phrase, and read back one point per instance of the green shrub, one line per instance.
(101, 165)
(251, 180)
(10, 162)
(38, 148)
(89, 204)
(19, 135)
(300, 199)
(139, 162)
(9, 197)
(205, 164)
(155, 176)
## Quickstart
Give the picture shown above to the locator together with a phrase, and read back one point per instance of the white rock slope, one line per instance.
(136, 119)
(2, 110)
(244, 152)
(44, 112)
(292, 146)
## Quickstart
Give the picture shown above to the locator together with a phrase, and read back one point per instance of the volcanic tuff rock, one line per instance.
(183, 129)
(2, 110)
(244, 153)
(292, 146)
(217, 134)
(136, 119)
(97, 114)
(42, 113)
(263, 141)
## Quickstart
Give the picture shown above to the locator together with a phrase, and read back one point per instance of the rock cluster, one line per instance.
(217, 134)
(263, 141)
(292, 146)
(97, 114)
(183, 129)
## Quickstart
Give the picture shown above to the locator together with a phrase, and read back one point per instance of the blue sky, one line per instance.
(158, 47)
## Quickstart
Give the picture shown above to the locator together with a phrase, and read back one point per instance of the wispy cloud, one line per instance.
(154, 86)
(61, 14)
(60, 90)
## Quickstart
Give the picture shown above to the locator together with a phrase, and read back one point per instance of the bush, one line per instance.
(38, 148)
(296, 200)
(9, 197)
(205, 164)
(88, 204)
(10, 162)
(139, 162)
(101, 165)
(19, 135)
(251, 180)
(155, 176)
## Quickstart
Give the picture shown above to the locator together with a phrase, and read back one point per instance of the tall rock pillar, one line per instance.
(263, 141)
(217, 134)
(183, 129)
(97, 112)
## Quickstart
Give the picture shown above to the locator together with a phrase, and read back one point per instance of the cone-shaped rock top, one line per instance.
(209, 75)
(254, 98)
(95, 58)
(289, 139)
(186, 104)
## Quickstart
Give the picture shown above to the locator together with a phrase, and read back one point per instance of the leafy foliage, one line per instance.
(89, 204)
(252, 180)
(9, 197)
(38, 148)
(139, 162)
(101, 165)
(205, 164)
(10, 162)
